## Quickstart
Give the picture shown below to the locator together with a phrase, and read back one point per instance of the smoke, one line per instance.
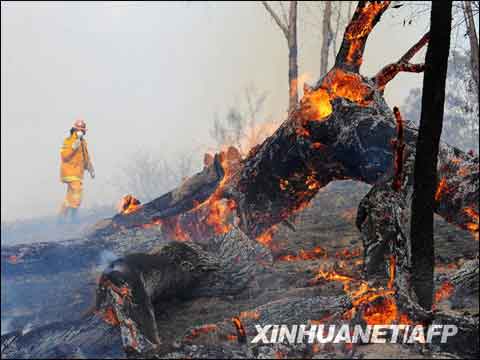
(105, 258)
(27, 328)
(6, 326)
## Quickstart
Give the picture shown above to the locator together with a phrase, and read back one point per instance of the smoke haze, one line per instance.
(146, 76)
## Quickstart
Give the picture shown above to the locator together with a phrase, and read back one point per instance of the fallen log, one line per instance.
(341, 129)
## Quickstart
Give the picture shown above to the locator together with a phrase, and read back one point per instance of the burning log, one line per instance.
(130, 286)
(383, 214)
(342, 129)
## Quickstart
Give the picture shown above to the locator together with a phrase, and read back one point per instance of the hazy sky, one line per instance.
(145, 76)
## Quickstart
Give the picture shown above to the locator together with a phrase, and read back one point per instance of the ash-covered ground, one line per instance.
(46, 297)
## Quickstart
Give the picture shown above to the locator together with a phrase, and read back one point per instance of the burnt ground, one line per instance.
(329, 223)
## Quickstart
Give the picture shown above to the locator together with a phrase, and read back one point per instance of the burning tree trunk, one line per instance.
(342, 129)
(425, 171)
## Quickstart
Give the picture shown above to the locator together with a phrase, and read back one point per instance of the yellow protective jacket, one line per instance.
(74, 162)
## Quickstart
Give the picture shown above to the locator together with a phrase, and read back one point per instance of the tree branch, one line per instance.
(398, 148)
(366, 16)
(275, 17)
(415, 48)
(284, 13)
(391, 70)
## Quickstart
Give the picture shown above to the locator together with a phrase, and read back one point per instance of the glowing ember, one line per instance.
(441, 189)
(384, 311)
(318, 146)
(179, 233)
(266, 237)
(360, 26)
(472, 226)
(128, 204)
(204, 329)
(348, 254)
(255, 315)
(219, 211)
(347, 85)
(12, 259)
(312, 183)
(283, 184)
(152, 224)
(239, 327)
(391, 279)
(305, 255)
(110, 317)
(444, 292)
(378, 304)
(316, 104)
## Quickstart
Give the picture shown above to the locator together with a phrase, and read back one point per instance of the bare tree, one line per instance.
(242, 126)
(473, 38)
(425, 169)
(288, 26)
(146, 175)
(327, 37)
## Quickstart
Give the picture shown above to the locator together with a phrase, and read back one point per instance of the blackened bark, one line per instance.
(425, 169)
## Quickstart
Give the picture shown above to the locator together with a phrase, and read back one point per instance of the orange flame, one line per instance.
(305, 255)
(218, 213)
(441, 189)
(385, 311)
(204, 329)
(472, 226)
(179, 233)
(316, 104)
(360, 27)
(347, 85)
(444, 292)
(152, 224)
(239, 326)
(128, 204)
(266, 237)
(378, 304)
(110, 317)
(391, 279)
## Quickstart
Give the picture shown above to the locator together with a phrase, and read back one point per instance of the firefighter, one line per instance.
(74, 160)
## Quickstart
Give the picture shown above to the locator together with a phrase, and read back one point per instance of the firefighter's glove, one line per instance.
(76, 144)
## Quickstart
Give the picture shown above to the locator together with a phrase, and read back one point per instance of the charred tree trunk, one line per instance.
(425, 170)
(326, 37)
(342, 129)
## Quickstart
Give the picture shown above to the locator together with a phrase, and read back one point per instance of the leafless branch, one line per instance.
(275, 17)
(388, 72)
